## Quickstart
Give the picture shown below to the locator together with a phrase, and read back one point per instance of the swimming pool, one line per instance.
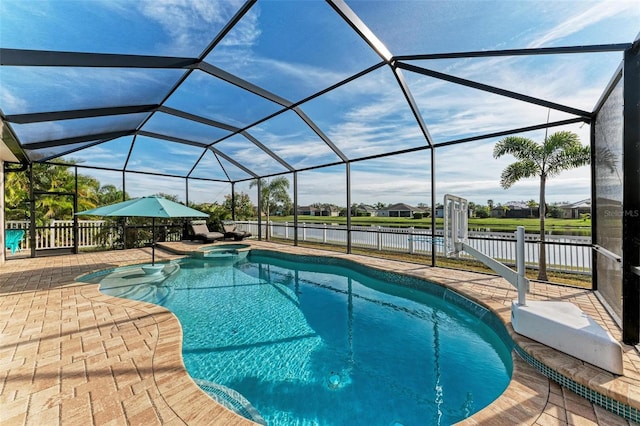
(310, 340)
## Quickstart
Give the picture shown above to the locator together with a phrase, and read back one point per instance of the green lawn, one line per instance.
(494, 224)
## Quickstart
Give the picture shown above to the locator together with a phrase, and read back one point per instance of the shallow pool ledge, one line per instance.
(153, 337)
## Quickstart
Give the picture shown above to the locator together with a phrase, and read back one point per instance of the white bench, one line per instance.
(563, 326)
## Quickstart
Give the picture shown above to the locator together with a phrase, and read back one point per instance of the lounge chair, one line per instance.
(12, 238)
(230, 230)
(201, 232)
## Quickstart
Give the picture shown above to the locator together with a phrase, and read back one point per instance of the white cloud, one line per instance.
(11, 102)
(188, 23)
(298, 74)
(291, 139)
(599, 12)
(466, 112)
(480, 179)
(455, 111)
(302, 153)
(140, 185)
(100, 156)
(449, 111)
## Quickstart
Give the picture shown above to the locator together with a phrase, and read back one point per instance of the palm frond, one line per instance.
(560, 141)
(565, 152)
(526, 151)
(517, 171)
(520, 147)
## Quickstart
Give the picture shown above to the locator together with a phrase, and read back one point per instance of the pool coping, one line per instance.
(170, 376)
(618, 394)
(40, 300)
(598, 386)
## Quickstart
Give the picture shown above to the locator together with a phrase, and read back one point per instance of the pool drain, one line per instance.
(339, 380)
(334, 381)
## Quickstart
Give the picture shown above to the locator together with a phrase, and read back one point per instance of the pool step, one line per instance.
(231, 399)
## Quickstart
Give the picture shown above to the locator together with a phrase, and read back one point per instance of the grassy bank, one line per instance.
(573, 280)
(494, 224)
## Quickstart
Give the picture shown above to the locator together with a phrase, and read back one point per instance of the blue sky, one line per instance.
(295, 49)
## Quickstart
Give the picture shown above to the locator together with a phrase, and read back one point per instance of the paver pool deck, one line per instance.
(71, 355)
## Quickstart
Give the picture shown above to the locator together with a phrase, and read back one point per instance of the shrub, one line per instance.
(482, 213)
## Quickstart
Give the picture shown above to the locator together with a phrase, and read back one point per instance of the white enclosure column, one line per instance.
(523, 283)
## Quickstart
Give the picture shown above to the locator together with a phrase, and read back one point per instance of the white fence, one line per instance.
(91, 233)
(59, 234)
(564, 253)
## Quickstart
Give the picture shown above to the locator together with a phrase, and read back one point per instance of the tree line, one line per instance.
(53, 184)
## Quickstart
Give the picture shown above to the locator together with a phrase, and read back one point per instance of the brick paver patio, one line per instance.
(70, 355)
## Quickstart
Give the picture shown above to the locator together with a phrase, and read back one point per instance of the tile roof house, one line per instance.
(400, 210)
(514, 209)
(366, 210)
(327, 210)
(575, 210)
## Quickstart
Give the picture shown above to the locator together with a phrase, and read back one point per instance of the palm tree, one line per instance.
(531, 204)
(243, 207)
(379, 205)
(50, 178)
(560, 151)
(110, 194)
(272, 192)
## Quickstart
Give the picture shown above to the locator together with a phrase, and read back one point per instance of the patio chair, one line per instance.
(230, 230)
(13, 237)
(201, 232)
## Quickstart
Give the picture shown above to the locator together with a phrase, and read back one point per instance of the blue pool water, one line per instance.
(308, 343)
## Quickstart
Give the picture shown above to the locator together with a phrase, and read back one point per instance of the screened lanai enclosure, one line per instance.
(352, 102)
